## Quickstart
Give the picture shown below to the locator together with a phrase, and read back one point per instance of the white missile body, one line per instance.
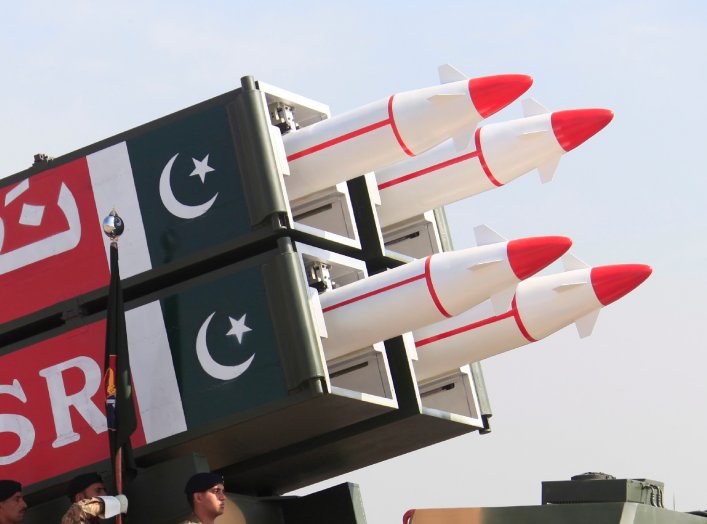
(384, 132)
(541, 306)
(501, 152)
(427, 290)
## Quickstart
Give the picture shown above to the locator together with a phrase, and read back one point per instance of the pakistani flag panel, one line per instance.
(188, 185)
(177, 187)
(223, 345)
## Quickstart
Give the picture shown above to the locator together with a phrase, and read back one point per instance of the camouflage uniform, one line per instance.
(83, 512)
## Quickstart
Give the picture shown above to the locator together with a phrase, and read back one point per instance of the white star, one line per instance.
(238, 328)
(201, 167)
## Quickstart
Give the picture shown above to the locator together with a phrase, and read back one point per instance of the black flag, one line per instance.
(120, 409)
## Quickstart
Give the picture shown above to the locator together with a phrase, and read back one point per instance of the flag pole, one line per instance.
(118, 461)
(119, 480)
(120, 412)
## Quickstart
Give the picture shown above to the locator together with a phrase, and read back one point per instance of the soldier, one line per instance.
(87, 493)
(206, 496)
(12, 504)
(86, 486)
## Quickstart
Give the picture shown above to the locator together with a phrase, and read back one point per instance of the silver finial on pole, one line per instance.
(113, 225)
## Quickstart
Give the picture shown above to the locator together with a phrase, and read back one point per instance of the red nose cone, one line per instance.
(612, 282)
(527, 256)
(575, 126)
(490, 94)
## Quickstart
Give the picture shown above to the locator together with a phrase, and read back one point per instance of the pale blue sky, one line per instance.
(627, 401)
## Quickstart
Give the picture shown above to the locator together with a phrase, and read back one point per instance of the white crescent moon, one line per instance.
(173, 205)
(212, 367)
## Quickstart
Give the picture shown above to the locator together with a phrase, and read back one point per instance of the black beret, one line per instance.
(8, 488)
(201, 482)
(81, 482)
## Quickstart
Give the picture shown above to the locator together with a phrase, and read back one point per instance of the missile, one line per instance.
(387, 131)
(424, 291)
(541, 306)
(501, 152)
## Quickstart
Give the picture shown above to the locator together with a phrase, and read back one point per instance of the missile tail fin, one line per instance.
(448, 74)
(547, 170)
(570, 262)
(485, 235)
(463, 139)
(501, 301)
(532, 107)
(585, 325)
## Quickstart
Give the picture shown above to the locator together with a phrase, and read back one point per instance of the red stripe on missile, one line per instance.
(431, 288)
(463, 329)
(512, 313)
(519, 322)
(374, 292)
(482, 160)
(427, 170)
(395, 128)
(338, 140)
(526, 257)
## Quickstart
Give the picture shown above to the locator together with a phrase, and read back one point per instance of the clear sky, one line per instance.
(630, 399)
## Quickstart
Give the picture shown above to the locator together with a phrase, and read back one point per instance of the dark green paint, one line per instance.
(191, 137)
(206, 399)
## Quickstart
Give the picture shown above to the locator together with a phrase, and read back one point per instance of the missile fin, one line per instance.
(501, 301)
(570, 262)
(547, 170)
(534, 133)
(485, 235)
(463, 139)
(532, 107)
(537, 129)
(484, 264)
(444, 98)
(448, 74)
(567, 286)
(585, 325)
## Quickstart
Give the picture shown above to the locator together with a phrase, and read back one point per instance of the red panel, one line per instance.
(33, 279)
(67, 365)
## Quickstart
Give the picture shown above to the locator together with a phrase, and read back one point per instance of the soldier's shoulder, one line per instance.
(191, 520)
